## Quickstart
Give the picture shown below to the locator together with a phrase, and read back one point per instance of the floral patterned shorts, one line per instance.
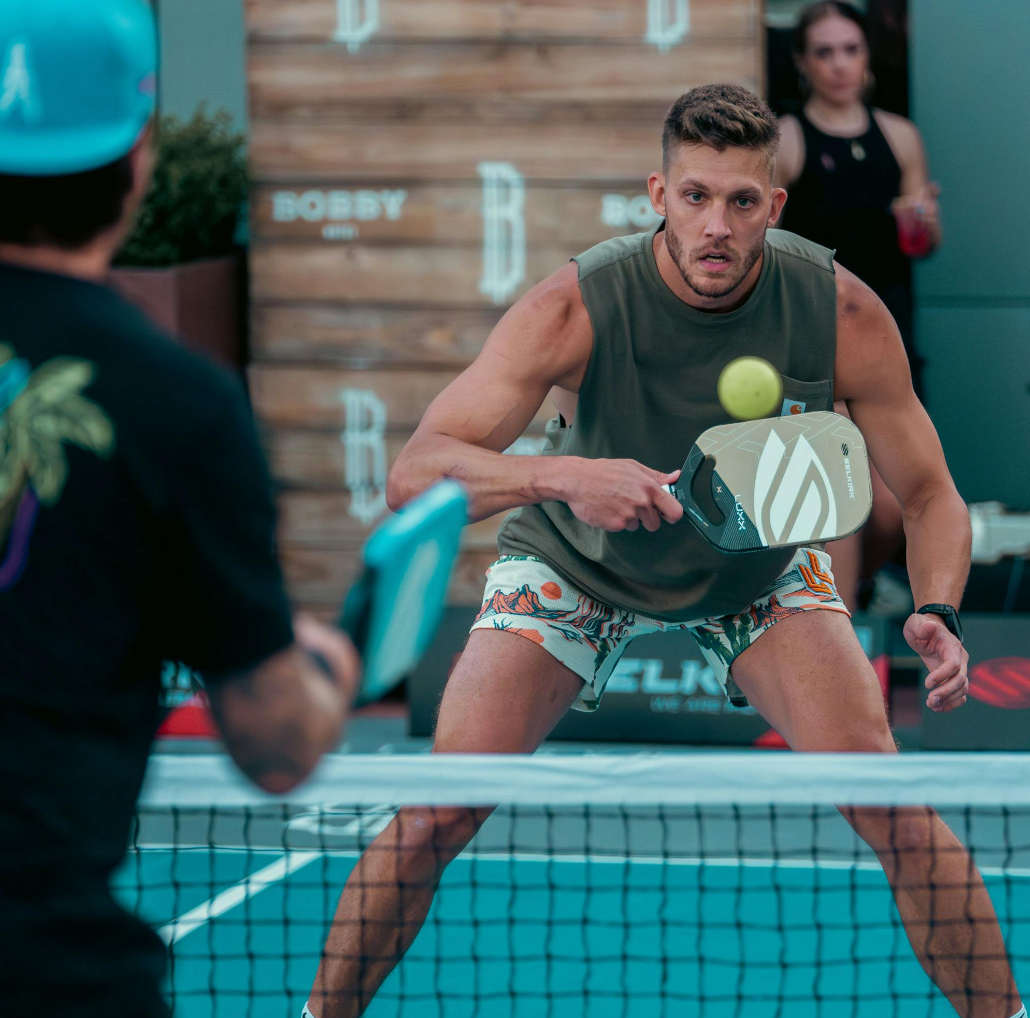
(524, 595)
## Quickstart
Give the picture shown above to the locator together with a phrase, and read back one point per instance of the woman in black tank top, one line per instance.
(853, 171)
(858, 182)
(843, 200)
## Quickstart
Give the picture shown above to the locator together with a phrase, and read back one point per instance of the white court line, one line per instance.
(254, 883)
(235, 895)
(729, 861)
(726, 862)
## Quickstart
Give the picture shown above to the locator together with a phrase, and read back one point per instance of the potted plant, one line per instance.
(182, 264)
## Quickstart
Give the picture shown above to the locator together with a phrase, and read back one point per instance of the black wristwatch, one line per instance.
(949, 616)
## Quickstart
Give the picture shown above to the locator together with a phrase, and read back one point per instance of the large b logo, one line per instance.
(356, 22)
(364, 443)
(504, 230)
(794, 501)
(668, 22)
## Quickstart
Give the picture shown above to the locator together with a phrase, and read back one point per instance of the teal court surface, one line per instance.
(754, 917)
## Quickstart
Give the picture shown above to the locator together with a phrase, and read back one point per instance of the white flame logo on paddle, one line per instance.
(794, 502)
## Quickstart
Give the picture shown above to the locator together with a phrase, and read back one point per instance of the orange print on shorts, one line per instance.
(529, 634)
(817, 581)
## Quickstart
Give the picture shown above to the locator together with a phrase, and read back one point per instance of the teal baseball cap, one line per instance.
(78, 83)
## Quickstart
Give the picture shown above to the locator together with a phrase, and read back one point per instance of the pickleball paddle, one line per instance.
(778, 482)
(393, 611)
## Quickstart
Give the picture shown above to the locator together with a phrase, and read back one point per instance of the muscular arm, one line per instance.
(872, 376)
(543, 342)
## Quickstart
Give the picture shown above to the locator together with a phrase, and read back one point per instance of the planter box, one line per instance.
(200, 303)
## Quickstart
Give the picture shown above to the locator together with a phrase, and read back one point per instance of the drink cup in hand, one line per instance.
(911, 216)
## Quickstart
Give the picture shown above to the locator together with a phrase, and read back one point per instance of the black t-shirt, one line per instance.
(136, 527)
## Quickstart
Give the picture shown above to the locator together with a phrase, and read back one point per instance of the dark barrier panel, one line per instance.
(997, 713)
(661, 691)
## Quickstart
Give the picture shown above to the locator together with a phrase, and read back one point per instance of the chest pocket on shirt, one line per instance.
(806, 397)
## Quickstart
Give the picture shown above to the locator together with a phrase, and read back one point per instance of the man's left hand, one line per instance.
(945, 657)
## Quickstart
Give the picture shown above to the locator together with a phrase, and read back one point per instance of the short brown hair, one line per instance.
(721, 116)
(68, 211)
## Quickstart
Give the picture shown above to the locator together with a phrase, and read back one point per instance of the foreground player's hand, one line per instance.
(621, 495)
(945, 657)
(335, 649)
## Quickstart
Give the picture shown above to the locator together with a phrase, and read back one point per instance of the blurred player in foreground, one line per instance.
(136, 526)
(629, 341)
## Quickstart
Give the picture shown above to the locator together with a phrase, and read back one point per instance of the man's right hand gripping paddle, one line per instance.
(623, 494)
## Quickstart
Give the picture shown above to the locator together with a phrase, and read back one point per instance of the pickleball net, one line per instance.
(711, 884)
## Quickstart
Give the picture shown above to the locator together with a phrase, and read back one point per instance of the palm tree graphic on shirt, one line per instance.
(40, 411)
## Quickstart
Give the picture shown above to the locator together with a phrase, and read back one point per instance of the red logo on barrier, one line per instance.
(1002, 682)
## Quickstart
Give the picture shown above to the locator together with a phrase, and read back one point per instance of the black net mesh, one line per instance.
(587, 910)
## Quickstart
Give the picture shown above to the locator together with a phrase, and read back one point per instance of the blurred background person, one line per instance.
(136, 526)
(858, 182)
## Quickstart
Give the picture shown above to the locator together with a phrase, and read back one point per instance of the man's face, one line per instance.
(717, 207)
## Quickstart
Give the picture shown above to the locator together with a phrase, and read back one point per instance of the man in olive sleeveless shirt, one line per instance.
(628, 341)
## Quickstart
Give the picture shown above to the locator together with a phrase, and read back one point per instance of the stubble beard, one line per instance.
(716, 288)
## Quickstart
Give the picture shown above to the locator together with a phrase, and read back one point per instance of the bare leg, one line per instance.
(948, 916)
(504, 696)
(809, 678)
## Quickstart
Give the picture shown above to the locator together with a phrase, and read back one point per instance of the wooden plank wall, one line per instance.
(418, 165)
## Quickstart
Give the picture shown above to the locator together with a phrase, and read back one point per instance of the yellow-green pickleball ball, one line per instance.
(749, 388)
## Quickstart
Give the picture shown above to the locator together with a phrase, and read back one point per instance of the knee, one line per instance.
(901, 834)
(444, 828)
(428, 838)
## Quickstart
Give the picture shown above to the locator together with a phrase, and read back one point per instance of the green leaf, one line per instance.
(47, 466)
(10, 464)
(80, 421)
(52, 382)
